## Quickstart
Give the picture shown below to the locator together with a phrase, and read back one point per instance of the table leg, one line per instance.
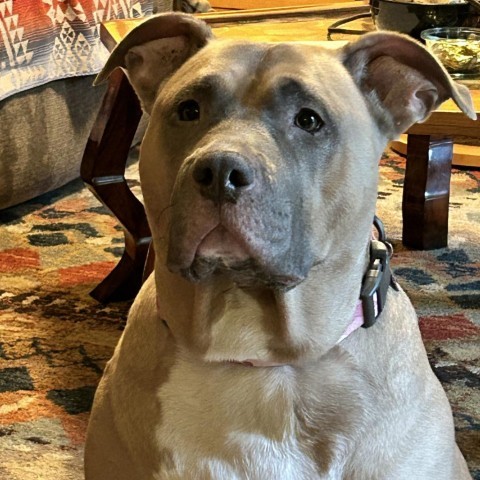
(426, 192)
(103, 169)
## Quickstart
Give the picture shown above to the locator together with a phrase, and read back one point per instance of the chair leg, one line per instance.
(103, 169)
(426, 192)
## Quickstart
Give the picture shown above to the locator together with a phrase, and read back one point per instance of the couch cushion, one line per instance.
(43, 133)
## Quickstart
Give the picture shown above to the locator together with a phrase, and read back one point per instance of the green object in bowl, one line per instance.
(458, 48)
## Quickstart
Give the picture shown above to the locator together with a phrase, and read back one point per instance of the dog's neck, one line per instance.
(232, 331)
(358, 321)
(217, 321)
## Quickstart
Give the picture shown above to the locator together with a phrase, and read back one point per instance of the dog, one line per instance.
(242, 357)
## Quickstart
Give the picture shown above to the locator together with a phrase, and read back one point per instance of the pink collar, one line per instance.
(355, 324)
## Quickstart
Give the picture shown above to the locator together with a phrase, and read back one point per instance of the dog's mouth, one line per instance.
(245, 274)
(221, 253)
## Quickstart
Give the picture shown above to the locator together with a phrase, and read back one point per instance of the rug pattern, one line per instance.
(55, 339)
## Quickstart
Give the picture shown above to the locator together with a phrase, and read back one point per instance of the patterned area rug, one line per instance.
(55, 339)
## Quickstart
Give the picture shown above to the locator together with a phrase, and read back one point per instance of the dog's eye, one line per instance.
(308, 120)
(189, 111)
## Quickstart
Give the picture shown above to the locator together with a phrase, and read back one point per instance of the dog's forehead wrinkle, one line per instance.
(208, 81)
(289, 86)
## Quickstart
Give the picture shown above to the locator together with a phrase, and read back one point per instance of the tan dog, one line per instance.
(259, 172)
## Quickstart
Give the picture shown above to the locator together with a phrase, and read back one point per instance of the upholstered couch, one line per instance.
(49, 54)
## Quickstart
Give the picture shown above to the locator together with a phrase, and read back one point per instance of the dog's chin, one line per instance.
(230, 255)
(246, 273)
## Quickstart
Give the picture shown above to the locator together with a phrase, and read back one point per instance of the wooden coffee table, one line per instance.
(430, 152)
(426, 189)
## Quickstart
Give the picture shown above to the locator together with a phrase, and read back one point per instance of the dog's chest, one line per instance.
(240, 422)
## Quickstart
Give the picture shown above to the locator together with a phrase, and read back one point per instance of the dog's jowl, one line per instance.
(242, 357)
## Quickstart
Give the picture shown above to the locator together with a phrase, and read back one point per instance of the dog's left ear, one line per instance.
(402, 81)
(154, 50)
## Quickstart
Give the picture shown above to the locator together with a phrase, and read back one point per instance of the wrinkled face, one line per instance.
(255, 154)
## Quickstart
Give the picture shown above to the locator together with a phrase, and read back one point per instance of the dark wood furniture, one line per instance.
(430, 153)
(103, 167)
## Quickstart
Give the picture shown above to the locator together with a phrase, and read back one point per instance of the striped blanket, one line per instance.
(45, 40)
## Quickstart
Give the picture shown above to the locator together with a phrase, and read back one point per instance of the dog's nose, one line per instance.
(223, 178)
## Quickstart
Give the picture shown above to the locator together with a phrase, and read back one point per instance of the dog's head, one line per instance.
(260, 160)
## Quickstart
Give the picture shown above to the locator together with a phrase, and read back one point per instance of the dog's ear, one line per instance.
(402, 81)
(152, 52)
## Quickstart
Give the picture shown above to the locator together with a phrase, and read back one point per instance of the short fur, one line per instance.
(264, 264)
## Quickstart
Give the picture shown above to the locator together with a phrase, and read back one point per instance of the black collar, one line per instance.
(377, 278)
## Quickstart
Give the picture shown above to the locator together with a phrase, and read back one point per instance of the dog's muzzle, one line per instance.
(232, 214)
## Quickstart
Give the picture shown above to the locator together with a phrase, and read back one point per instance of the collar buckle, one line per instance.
(375, 282)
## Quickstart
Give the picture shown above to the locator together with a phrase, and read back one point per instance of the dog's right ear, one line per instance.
(154, 50)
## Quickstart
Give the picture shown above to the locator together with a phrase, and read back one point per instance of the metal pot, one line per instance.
(412, 18)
